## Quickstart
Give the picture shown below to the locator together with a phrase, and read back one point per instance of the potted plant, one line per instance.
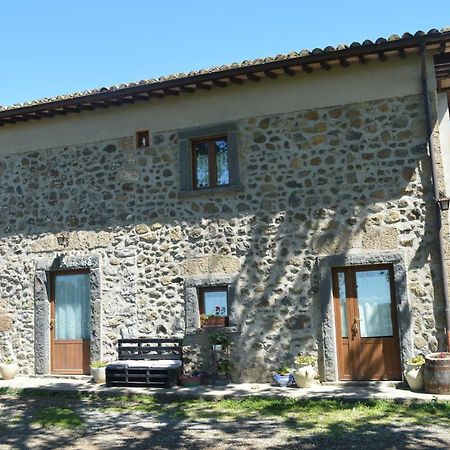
(304, 372)
(414, 373)
(283, 376)
(192, 380)
(98, 371)
(219, 341)
(8, 369)
(223, 367)
(437, 373)
(216, 320)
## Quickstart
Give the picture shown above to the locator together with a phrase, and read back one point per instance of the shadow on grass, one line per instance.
(43, 419)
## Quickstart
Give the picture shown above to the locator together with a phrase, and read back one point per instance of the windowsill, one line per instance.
(209, 330)
(208, 192)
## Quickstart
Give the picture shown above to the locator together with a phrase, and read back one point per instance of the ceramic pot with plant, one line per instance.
(283, 376)
(98, 371)
(8, 369)
(305, 372)
(414, 372)
(219, 341)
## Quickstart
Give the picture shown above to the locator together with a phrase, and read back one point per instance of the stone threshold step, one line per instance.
(385, 384)
(63, 377)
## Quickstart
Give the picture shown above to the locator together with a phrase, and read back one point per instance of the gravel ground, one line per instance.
(109, 429)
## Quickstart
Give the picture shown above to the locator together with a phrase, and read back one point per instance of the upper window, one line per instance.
(210, 163)
(213, 306)
(209, 158)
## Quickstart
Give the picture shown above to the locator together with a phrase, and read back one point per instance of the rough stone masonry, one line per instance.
(352, 178)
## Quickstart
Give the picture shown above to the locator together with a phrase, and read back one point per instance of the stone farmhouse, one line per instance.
(299, 203)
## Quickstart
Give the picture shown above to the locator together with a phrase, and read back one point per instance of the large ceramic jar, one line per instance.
(414, 376)
(304, 375)
(8, 371)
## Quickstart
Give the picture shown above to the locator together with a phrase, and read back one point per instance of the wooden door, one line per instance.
(70, 322)
(366, 323)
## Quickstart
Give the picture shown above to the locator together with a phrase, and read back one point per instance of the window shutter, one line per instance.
(185, 165)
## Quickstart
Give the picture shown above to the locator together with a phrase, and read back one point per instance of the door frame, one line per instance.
(44, 269)
(328, 344)
(354, 362)
(52, 276)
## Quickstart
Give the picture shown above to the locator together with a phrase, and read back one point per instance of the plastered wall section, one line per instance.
(376, 80)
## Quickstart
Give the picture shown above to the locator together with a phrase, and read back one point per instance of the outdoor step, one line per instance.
(386, 384)
(64, 377)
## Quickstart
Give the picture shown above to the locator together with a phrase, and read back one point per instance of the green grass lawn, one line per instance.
(332, 417)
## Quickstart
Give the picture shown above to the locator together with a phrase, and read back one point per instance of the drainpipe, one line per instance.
(436, 194)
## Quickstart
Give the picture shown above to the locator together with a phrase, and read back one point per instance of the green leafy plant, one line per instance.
(284, 370)
(98, 364)
(416, 360)
(223, 366)
(8, 361)
(220, 339)
(307, 360)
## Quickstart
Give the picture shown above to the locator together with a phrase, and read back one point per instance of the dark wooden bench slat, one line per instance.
(150, 349)
(150, 340)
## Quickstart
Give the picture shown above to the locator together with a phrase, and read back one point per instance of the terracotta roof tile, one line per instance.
(236, 65)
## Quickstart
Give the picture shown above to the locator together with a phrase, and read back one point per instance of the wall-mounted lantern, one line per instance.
(63, 239)
(444, 203)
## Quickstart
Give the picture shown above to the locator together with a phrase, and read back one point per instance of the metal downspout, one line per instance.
(436, 194)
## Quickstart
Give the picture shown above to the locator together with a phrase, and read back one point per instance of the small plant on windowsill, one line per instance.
(217, 319)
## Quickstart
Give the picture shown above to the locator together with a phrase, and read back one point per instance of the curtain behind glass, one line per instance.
(72, 306)
(374, 301)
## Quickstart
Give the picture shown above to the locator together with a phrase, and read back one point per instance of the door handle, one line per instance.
(51, 324)
(355, 327)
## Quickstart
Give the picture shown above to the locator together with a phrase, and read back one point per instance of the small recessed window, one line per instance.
(213, 306)
(142, 138)
(210, 163)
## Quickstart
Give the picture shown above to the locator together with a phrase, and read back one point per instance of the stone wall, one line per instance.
(316, 182)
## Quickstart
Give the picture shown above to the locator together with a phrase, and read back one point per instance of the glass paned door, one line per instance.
(70, 322)
(72, 306)
(366, 323)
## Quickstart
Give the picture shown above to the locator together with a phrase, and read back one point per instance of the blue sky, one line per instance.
(51, 47)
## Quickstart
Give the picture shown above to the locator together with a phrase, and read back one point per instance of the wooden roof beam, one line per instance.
(289, 71)
(236, 80)
(253, 77)
(325, 65)
(270, 74)
(363, 59)
(307, 68)
(343, 62)
(205, 87)
(144, 97)
(46, 114)
(187, 89)
(219, 83)
(402, 53)
(172, 92)
(156, 94)
(382, 56)
(100, 105)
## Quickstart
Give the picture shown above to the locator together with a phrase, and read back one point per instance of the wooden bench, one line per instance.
(146, 362)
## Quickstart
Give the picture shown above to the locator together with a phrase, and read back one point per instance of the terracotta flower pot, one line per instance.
(214, 322)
